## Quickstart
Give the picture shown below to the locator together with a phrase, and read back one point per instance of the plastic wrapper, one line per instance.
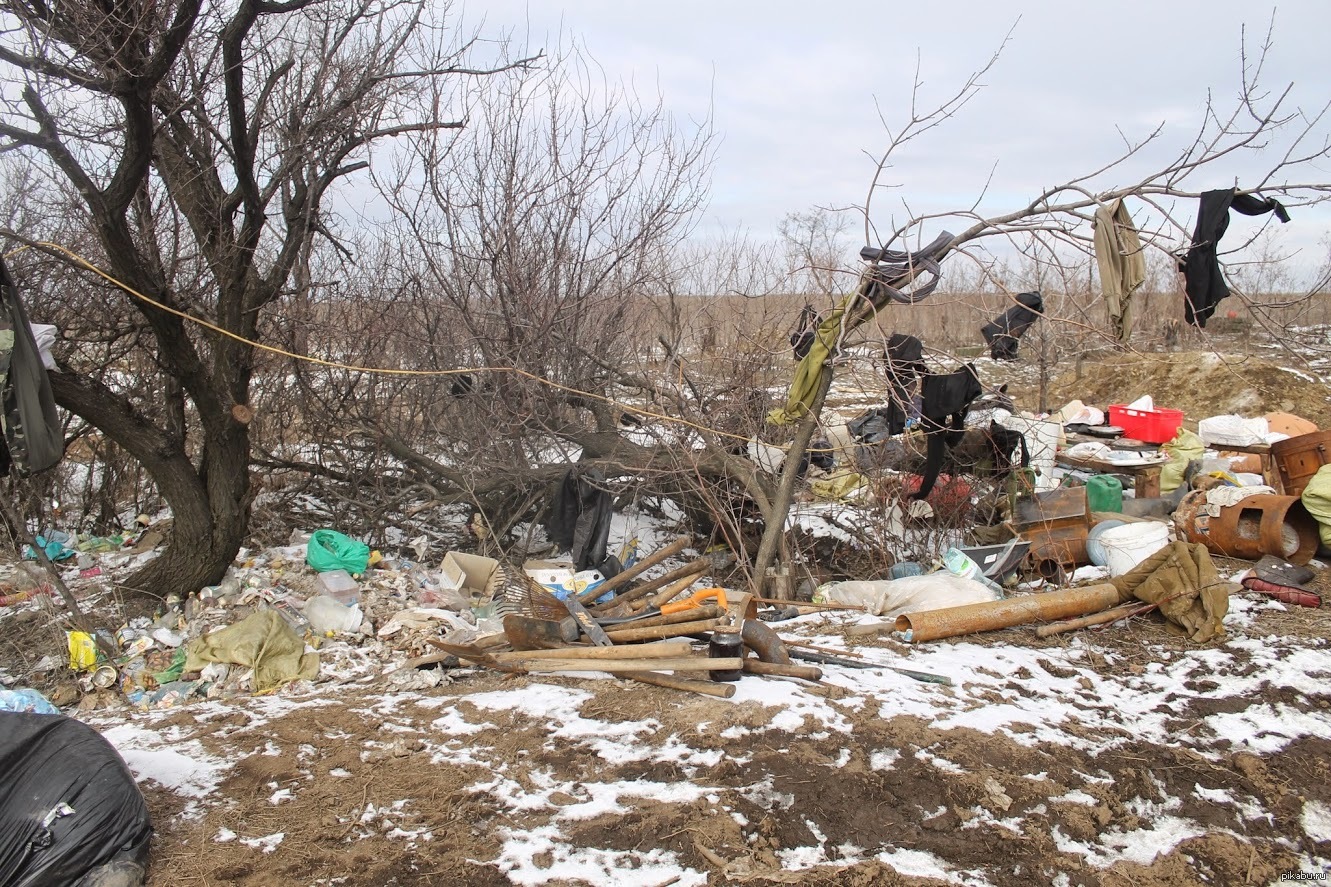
(911, 594)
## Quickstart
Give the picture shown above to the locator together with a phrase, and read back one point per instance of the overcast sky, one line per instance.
(793, 88)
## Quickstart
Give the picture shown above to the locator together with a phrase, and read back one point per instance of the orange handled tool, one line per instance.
(695, 600)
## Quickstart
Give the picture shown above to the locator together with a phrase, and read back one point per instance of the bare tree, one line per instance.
(200, 147)
(1294, 139)
(519, 259)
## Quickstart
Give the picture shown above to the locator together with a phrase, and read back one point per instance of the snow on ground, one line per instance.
(581, 764)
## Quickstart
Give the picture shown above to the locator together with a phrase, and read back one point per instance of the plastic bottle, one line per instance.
(959, 564)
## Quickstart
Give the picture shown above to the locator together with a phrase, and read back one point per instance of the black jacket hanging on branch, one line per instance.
(580, 519)
(33, 439)
(1004, 332)
(947, 398)
(1204, 282)
(903, 359)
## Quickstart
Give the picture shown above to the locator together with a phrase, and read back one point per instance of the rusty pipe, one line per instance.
(1253, 526)
(989, 615)
(760, 638)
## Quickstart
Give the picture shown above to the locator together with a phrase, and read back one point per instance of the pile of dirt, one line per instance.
(1201, 383)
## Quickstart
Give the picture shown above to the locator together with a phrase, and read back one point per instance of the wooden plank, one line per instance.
(676, 663)
(636, 651)
(679, 629)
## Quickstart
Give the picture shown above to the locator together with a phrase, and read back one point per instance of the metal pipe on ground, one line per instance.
(759, 638)
(990, 615)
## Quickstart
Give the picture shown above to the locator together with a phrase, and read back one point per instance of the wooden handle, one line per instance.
(669, 593)
(707, 688)
(679, 629)
(692, 570)
(1066, 625)
(623, 578)
(807, 672)
(637, 651)
(707, 611)
(677, 663)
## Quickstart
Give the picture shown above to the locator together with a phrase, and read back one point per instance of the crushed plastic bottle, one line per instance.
(959, 564)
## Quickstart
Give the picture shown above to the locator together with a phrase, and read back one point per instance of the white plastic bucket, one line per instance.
(1128, 545)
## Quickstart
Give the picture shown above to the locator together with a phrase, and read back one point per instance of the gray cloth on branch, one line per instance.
(1003, 333)
(34, 439)
(1118, 253)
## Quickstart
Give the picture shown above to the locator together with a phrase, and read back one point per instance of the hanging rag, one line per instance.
(33, 437)
(1181, 580)
(883, 282)
(904, 359)
(1204, 282)
(946, 399)
(802, 338)
(1118, 253)
(1003, 333)
(804, 384)
(580, 516)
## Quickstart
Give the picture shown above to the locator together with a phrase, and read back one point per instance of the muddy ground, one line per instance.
(1119, 756)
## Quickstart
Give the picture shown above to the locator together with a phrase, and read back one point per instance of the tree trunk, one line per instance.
(775, 529)
(210, 505)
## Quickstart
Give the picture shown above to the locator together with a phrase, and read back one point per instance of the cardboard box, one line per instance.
(473, 575)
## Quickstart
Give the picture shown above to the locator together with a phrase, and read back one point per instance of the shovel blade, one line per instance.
(530, 633)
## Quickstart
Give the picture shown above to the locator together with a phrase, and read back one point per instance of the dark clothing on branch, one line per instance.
(1205, 283)
(33, 439)
(580, 516)
(1003, 333)
(947, 399)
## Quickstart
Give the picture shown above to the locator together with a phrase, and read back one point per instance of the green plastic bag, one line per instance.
(330, 550)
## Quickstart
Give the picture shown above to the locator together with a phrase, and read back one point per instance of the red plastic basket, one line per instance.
(1153, 426)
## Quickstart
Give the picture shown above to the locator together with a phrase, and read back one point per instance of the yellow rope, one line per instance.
(332, 364)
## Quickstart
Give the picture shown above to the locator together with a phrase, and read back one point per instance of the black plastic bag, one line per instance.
(68, 803)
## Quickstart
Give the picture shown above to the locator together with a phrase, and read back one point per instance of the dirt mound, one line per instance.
(1201, 383)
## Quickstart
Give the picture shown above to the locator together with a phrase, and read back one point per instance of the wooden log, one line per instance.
(706, 611)
(806, 672)
(699, 566)
(707, 688)
(677, 630)
(637, 651)
(669, 663)
(621, 579)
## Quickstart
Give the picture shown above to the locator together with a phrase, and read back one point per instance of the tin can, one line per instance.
(104, 678)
